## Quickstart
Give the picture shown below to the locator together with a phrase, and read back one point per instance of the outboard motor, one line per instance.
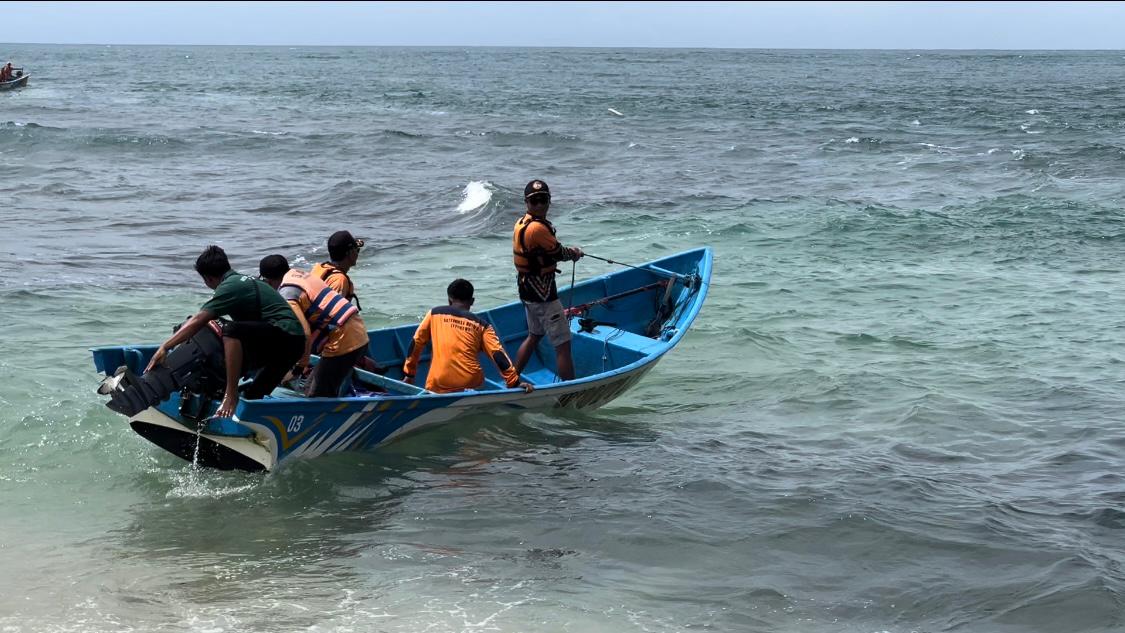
(195, 366)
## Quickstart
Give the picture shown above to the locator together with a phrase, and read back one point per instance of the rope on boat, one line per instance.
(570, 298)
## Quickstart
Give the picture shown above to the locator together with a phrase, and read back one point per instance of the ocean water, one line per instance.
(900, 410)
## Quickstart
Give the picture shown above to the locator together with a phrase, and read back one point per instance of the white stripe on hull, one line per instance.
(245, 446)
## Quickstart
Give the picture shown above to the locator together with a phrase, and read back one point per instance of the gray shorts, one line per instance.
(548, 319)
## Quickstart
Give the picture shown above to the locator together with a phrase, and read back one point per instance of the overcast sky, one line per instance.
(956, 25)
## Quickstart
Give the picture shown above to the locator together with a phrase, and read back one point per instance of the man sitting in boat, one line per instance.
(332, 325)
(458, 336)
(264, 333)
(536, 253)
(6, 72)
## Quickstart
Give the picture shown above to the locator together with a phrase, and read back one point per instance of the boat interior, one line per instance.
(620, 319)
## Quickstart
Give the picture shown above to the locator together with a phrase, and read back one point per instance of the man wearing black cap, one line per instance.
(536, 253)
(343, 249)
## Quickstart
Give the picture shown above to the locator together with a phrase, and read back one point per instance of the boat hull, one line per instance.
(204, 449)
(264, 440)
(15, 83)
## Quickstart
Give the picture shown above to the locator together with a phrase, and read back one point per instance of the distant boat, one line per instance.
(647, 310)
(19, 82)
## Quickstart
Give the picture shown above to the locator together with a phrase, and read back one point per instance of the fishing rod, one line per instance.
(582, 307)
(665, 273)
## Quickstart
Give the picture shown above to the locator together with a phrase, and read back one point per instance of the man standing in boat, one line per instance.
(343, 251)
(536, 253)
(332, 324)
(264, 333)
(458, 337)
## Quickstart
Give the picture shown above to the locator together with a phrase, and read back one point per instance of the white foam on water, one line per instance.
(941, 149)
(615, 112)
(269, 133)
(852, 140)
(915, 122)
(1032, 111)
(476, 195)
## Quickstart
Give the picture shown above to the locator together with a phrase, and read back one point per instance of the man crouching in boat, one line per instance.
(458, 336)
(332, 324)
(263, 334)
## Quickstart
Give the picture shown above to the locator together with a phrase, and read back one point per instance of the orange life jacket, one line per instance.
(533, 260)
(324, 270)
(327, 309)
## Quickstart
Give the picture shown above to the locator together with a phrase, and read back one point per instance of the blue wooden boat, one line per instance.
(623, 323)
(18, 82)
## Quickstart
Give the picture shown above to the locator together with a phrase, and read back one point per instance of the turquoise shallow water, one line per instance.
(900, 409)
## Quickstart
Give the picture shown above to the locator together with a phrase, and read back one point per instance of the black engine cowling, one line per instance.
(195, 366)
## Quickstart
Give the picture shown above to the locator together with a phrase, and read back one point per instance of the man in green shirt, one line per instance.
(264, 333)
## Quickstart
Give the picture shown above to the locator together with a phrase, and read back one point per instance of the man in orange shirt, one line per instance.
(536, 253)
(343, 251)
(458, 336)
(332, 325)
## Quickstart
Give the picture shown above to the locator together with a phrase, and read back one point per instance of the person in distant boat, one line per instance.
(264, 333)
(458, 336)
(333, 327)
(536, 253)
(6, 72)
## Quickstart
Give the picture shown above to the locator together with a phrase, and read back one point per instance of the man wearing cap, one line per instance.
(334, 329)
(263, 333)
(343, 249)
(535, 254)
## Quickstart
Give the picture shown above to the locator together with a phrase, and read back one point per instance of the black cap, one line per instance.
(340, 243)
(273, 267)
(536, 188)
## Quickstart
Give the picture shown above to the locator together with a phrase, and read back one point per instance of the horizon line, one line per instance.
(574, 46)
